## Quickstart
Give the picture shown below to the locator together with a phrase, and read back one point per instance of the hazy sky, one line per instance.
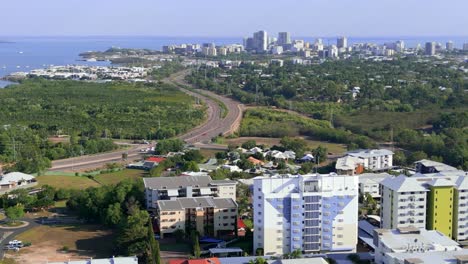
(235, 17)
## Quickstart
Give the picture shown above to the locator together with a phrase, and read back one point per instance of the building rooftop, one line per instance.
(113, 260)
(411, 239)
(372, 178)
(369, 153)
(439, 166)
(403, 183)
(348, 163)
(196, 202)
(182, 182)
(439, 257)
(15, 177)
(420, 182)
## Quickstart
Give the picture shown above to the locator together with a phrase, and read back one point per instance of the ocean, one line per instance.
(26, 53)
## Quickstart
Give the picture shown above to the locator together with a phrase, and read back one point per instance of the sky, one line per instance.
(234, 18)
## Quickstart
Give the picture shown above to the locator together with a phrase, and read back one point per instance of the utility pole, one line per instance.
(14, 149)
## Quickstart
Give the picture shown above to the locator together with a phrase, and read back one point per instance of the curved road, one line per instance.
(200, 136)
(215, 124)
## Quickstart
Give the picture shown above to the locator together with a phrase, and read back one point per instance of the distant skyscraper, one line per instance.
(249, 44)
(400, 45)
(465, 46)
(449, 46)
(284, 38)
(342, 42)
(260, 41)
(430, 48)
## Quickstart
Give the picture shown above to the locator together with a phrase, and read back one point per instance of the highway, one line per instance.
(98, 160)
(215, 124)
(200, 136)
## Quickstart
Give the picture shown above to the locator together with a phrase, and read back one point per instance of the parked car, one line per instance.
(16, 243)
(11, 247)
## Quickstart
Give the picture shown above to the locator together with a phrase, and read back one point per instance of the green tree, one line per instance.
(196, 245)
(249, 144)
(113, 214)
(191, 166)
(320, 153)
(15, 212)
(133, 237)
(153, 253)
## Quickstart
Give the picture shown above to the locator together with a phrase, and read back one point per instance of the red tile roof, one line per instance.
(195, 261)
(240, 224)
(156, 159)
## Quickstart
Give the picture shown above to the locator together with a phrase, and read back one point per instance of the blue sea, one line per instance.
(26, 53)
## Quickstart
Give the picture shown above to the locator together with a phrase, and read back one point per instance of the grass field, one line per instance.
(116, 177)
(67, 182)
(312, 144)
(83, 241)
(82, 182)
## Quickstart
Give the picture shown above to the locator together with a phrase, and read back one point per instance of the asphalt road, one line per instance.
(200, 136)
(215, 124)
(96, 161)
(11, 233)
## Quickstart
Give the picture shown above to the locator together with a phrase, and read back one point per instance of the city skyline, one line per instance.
(362, 18)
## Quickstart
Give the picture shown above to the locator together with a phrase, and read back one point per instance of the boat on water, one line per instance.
(20, 52)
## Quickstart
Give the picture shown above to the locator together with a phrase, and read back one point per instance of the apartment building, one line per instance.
(370, 183)
(207, 215)
(374, 159)
(428, 166)
(433, 201)
(170, 188)
(416, 246)
(311, 213)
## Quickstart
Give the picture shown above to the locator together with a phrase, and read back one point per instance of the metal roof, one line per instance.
(369, 153)
(113, 260)
(195, 202)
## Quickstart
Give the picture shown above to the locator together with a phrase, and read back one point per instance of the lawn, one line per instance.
(82, 182)
(68, 182)
(175, 247)
(312, 144)
(81, 241)
(116, 177)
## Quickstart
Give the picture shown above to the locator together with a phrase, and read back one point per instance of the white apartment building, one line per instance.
(403, 203)
(311, 213)
(374, 159)
(171, 188)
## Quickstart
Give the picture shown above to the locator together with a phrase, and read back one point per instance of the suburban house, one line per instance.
(172, 188)
(14, 180)
(207, 215)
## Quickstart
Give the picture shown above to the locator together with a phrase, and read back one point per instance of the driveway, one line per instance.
(9, 234)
